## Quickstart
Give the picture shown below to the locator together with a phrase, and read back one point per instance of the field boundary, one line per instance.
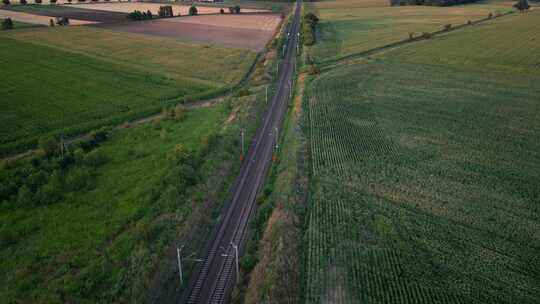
(14, 150)
(327, 65)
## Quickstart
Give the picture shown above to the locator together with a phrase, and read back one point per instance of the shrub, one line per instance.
(314, 70)
(7, 24)
(490, 15)
(69, 1)
(77, 178)
(178, 154)
(48, 145)
(6, 2)
(53, 1)
(411, 36)
(237, 9)
(51, 22)
(308, 28)
(51, 192)
(221, 11)
(163, 134)
(207, 144)
(179, 112)
(243, 92)
(165, 11)
(23, 2)
(62, 21)
(426, 35)
(469, 22)
(193, 10)
(447, 27)
(248, 262)
(522, 5)
(38, 1)
(25, 197)
(94, 159)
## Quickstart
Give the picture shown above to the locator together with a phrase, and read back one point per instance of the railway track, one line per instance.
(213, 280)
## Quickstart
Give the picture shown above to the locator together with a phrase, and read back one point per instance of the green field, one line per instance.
(93, 231)
(425, 171)
(352, 26)
(70, 80)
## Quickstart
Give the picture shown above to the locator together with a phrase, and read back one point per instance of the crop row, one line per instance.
(342, 267)
(342, 131)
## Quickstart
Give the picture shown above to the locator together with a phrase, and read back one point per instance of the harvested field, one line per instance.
(251, 32)
(153, 7)
(36, 19)
(73, 13)
(252, 22)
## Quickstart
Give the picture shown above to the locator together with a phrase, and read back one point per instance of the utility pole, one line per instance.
(188, 259)
(242, 136)
(277, 138)
(179, 257)
(235, 256)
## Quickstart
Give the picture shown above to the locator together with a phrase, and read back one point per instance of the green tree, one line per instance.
(193, 11)
(7, 24)
(522, 5)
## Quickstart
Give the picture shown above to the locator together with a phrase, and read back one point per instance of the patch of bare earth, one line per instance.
(236, 31)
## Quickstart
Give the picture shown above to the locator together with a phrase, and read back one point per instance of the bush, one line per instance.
(308, 28)
(94, 159)
(53, 1)
(490, 15)
(231, 9)
(38, 1)
(193, 11)
(221, 11)
(51, 22)
(48, 145)
(78, 178)
(522, 5)
(426, 35)
(7, 24)
(178, 154)
(243, 92)
(62, 21)
(248, 262)
(165, 11)
(207, 144)
(237, 9)
(179, 112)
(447, 27)
(6, 2)
(23, 2)
(69, 1)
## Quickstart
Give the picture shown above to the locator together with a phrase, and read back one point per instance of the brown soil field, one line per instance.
(210, 34)
(37, 19)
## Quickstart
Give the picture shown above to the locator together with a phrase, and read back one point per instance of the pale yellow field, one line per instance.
(252, 22)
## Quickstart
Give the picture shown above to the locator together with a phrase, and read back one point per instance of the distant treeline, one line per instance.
(430, 2)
